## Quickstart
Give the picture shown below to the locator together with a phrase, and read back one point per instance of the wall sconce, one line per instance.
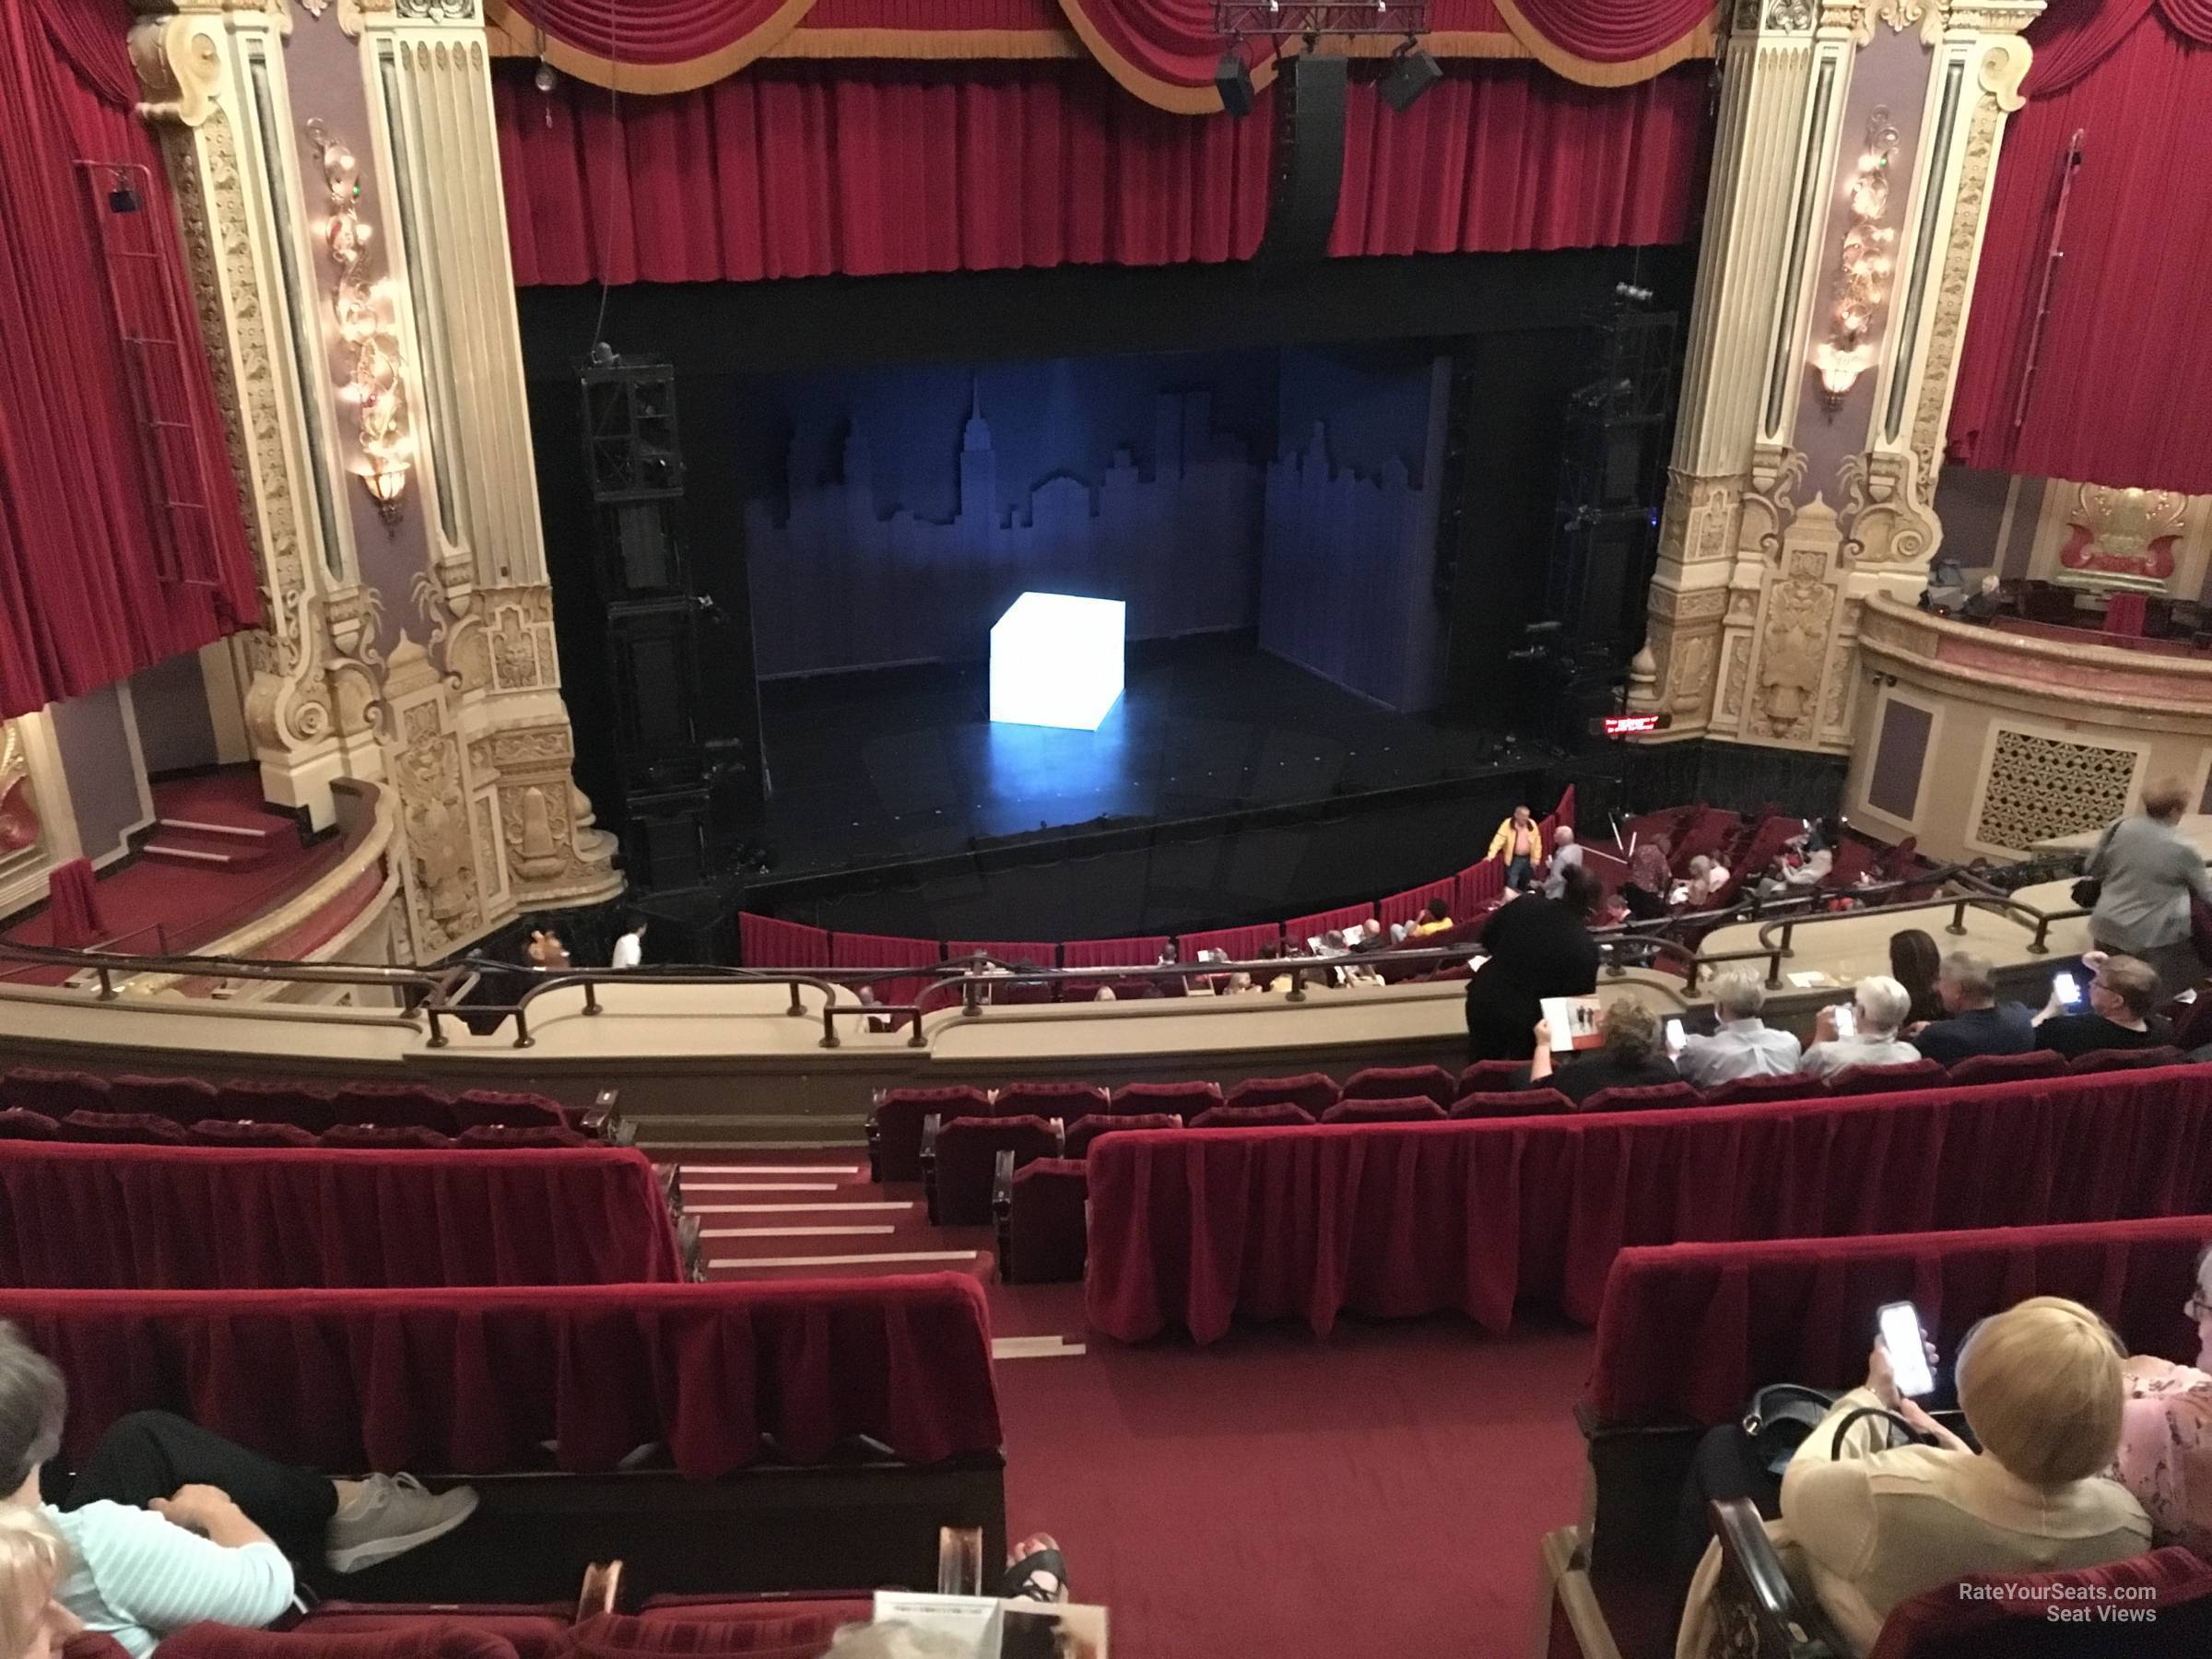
(1862, 272)
(375, 386)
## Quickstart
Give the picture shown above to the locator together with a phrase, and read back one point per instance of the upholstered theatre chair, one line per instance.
(895, 1126)
(235, 1132)
(1186, 1101)
(1280, 1115)
(2009, 1068)
(1418, 1109)
(266, 1101)
(1067, 1101)
(395, 1106)
(15, 1123)
(1310, 1091)
(123, 1128)
(1922, 1073)
(1039, 1210)
(508, 1109)
(1080, 1135)
(1651, 1096)
(180, 1100)
(1487, 1077)
(2104, 1060)
(390, 1137)
(966, 1151)
(1511, 1103)
(1746, 1091)
(53, 1094)
(1400, 1083)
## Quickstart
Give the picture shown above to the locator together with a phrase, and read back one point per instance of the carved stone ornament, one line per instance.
(1691, 680)
(1927, 15)
(426, 767)
(1798, 627)
(1883, 523)
(1769, 500)
(2127, 533)
(22, 832)
(1790, 14)
(437, 11)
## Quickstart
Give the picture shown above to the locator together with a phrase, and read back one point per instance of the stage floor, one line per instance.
(899, 764)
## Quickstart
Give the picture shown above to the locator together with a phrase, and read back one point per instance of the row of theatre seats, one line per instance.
(1686, 1333)
(186, 1101)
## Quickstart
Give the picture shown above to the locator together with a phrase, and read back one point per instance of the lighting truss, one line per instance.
(1233, 18)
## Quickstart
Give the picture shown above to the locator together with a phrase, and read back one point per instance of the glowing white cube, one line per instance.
(1056, 661)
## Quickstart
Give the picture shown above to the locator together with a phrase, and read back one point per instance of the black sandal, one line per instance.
(1040, 1576)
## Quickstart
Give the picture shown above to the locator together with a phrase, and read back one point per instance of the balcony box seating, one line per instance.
(895, 1126)
(474, 1108)
(1922, 1073)
(813, 1434)
(1511, 1103)
(1280, 1115)
(2100, 1060)
(122, 1128)
(1791, 1086)
(267, 1101)
(54, 1094)
(1080, 1135)
(967, 1152)
(1186, 1101)
(395, 1106)
(235, 1132)
(2005, 1069)
(1196, 1231)
(1042, 1237)
(15, 1123)
(1418, 1110)
(1401, 1082)
(204, 1216)
(1067, 1101)
(181, 1099)
(1309, 1090)
(1651, 1096)
(388, 1138)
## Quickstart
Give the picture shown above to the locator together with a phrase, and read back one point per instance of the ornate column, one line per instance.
(350, 257)
(1900, 107)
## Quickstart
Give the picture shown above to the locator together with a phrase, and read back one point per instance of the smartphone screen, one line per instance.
(1674, 1037)
(1900, 1325)
(1847, 1020)
(2064, 989)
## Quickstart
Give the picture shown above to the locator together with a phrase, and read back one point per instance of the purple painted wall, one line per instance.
(93, 734)
(175, 730)
(1971, 503)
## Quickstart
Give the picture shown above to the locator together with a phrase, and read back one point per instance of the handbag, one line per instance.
(1779, 1418)
(2090, 887)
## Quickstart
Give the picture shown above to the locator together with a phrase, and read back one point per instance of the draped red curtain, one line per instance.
(802, 170)
(88, 587)
(2121, 391)
(1607, 31)
(655, 31)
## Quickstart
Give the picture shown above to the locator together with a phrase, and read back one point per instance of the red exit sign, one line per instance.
(1632, 725)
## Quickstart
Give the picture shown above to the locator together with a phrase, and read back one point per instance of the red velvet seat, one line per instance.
(1418, 1109)
(379, 1136)
(2009, 1068)
(2103, 1060)
(449, 1638)
(1080, 1135)
(511, 1134)
(180, 1100)
(1023, 992)
(1510, 1103)
(1186, 1101)
(1044, 1223)
(968, 1151)
(1134, 990)
(2010, 1619)
(1281, 1115)
(123, 1128)
(395, 1106)
(17, 1123)
(535, 1631)
(1400, 1083)
(266, 1101)
(1310, 1091)
(514, 1108)
(1922, 1073)
(770, 1630)
(1791, 1086)
(1487, 1077)
(237, 1132)
(895, 1126)
(53, 1094)
(1651, 1096)
(1067, 1101)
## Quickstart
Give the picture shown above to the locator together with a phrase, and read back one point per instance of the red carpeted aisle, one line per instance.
(1379, 1494)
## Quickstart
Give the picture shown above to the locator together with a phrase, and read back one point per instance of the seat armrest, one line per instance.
(1758, 1611)
(875, 1150)
(688, 1242)
(672, 1188)
(929, 1165)
(603, 1119)
(1002, 1211)
(602, 1587)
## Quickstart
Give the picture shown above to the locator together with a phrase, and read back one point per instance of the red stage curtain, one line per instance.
(179, 1218)
(664, 31)
(2123, 390)
(1163, 51)
(73, 905)
(1197, 1230)
(1624, 33)
(83, 597)
(765, 942)
(1693, 1330)
(1243, 944)
(1114, 953)
(474, 1381)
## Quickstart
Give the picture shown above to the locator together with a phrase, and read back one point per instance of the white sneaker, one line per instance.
(389, 1516)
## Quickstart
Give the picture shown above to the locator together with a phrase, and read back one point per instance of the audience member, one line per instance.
(1435, 919)
(1364, 937)
(895, 1639)
(1744, 1045)
(32, 1561)
(549, 952)
(1708, 879)
(1539, 948)
(1626, 1056)
(1649, 881)
(1914, 960)
(1879, 1006)
(1519, 842)
(2148, 874)
(168, 1523)
(2122, 1013)
(2166, 1432)
(1566, 855)
(1978, 1023)
(629, 950)
(2041, 1387)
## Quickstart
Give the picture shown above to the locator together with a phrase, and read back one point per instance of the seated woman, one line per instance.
(169, 1525)
(1708, 879)
(1436, 919)
(32, 1559)
(2166, 1432)
(1626, 1056)
(2041, 1387)
(1649, 881)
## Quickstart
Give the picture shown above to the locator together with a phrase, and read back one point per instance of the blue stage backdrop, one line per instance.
(892, 514)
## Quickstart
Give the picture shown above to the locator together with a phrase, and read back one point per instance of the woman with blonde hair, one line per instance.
(2166, 1438)
(32, 1561)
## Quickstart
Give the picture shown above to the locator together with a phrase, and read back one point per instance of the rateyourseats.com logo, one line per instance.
(2074, 1604)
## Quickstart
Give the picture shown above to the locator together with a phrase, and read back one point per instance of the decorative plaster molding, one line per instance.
(1884, 523)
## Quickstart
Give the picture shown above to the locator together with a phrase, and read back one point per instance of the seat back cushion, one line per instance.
(1278, 1116)
(1511, 1103)
(1414, 1111)
(774, 1630)
(450, 1638)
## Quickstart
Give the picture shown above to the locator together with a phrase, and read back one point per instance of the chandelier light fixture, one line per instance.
(1863, 269)
(361, 309)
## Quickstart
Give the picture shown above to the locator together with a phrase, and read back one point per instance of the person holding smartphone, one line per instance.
(2121, 1009)
(1878, 1007)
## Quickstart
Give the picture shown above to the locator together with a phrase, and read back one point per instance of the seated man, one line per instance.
(1979, 1024)
(1626, 1056)
(168, 1524)
(2122, 999)
(1745, 1046)
(1879, 1006)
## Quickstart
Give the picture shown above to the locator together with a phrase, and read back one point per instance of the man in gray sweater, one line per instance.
(2149, 874)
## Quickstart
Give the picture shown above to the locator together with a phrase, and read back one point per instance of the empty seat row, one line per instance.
(186, 1101)
(145, 1129)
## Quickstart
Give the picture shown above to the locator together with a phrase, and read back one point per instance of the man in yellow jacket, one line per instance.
(1519, 841)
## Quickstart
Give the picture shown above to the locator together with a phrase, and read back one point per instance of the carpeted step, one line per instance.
(213, 847)
(816, 1215)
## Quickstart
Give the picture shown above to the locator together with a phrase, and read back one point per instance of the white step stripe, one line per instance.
(844, 1261)
(157, 850)
(791, 1232)
(759, 1186)
(198, 828)
(1034, 1348)
(762, 1209)
(772, 1169)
